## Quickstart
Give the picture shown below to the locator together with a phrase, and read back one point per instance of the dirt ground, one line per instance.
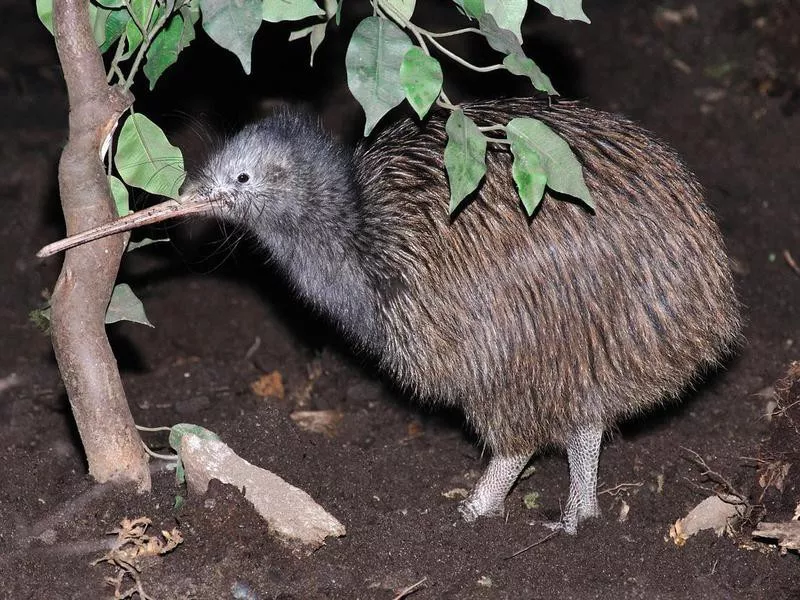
(721, 83)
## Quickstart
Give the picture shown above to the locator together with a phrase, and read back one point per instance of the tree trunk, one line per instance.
(83, 290)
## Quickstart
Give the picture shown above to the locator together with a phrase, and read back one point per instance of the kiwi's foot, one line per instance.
(487, 498)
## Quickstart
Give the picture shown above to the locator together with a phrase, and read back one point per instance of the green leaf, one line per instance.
(120, 194)
(315, 33)
(301, 33)
(145, 158)
(332, 7)
(40, 317)
(166, 46)
(44, 10)
(233, 25)
(563, 169)
(190, 12)
(181, 429)
(522, 65)
(133, 37)
(111, 3)
(115, 26)
(570, 10)
(472, 8)
(176, 438)
(125, 306)
(144, 242)
(99, 18)
(140, 9)
(498, 38)
(339, 12)
(421, 78)
(373, 61)
(528, 172)
(508, 14)
(464, 157)
(180, 472)
(403, 8)
(276, 11)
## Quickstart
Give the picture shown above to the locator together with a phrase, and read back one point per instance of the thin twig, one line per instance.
(420, 38)
(754, 459)
(153, 429)
(445, 99)
(486, 128)
(446, 104)
(135, 18)
(410, 589)
(387, 9)
(550, 535)
(501, 141)
(148, 36)
(791, 262)
(253, 348)
(450, 33)
(781, 410)
(622, 487)
(717, 478)
(463, 62)
(114, 67)
(167, 457)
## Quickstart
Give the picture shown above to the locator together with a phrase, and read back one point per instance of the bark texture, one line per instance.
(83, 290)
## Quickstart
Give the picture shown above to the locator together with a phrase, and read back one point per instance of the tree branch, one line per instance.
(83, 290)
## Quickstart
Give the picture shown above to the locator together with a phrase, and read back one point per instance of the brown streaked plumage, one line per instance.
(562, 318)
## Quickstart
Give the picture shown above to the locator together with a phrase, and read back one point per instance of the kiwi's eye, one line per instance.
(243, 178)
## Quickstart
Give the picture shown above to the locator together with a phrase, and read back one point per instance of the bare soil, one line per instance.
(720, 84)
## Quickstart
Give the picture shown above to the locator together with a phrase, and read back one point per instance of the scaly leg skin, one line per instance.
(583, 453)
(488, 496)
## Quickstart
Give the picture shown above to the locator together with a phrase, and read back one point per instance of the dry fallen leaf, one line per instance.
(302, 396)
(773, 474)
(132, 543)
(665, 17)
(624, 509)
(269, 386)
(455, 493)
(318, 421)
(413, 430)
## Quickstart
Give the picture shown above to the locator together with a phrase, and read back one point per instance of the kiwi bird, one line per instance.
(544, 331)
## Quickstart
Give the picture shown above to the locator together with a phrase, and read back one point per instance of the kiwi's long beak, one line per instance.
(185, 205)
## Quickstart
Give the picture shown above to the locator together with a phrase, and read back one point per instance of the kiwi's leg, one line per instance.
(488, 496)
(583, 453)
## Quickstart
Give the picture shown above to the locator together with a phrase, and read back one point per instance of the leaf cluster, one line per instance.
(389, 59)
(385, 66)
